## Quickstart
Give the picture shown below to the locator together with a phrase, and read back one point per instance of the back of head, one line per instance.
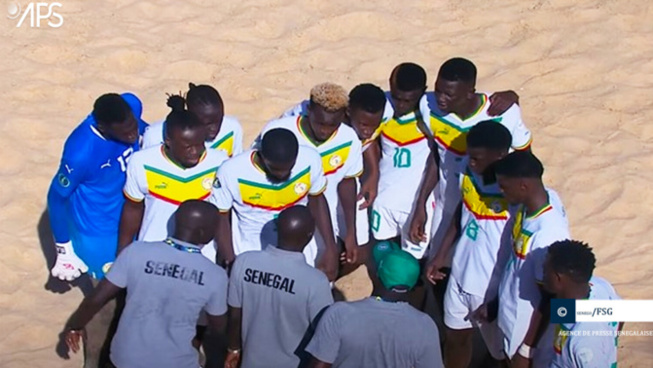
(195, 221)
(409, 77)
(520, 164)
(367, 97)
(458, 70)
(330, 96)
(111, 108)
(490, 135)
(295, 226)
(398, 270)
(202, 94)
(572, 258)
(279, 145)
(180, 118)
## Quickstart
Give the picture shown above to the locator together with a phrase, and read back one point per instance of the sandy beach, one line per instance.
(583, 69)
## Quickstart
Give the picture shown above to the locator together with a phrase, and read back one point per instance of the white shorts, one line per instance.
(442, 218)
(459, 306)
(362, 224)
(388, 223)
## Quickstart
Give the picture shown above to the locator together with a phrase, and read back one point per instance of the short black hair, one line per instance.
(520, 164)
(489, 134)
(367, 97)
(180, 118)
(458, 70)
(279, 145)
(203, 94)
(111, 108)
(572, 258)
(410, 77)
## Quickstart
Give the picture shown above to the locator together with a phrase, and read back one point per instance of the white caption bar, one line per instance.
(614, 310)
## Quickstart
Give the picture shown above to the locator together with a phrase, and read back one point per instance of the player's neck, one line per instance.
(470, 107)
(580, 291)
(185, 236)
(536, 201)
(305, 126)
(172, 159)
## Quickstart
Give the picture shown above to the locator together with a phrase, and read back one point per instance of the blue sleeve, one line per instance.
(72, 171)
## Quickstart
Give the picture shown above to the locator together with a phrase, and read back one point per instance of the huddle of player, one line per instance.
(447, 176)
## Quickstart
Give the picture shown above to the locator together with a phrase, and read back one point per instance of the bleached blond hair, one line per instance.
(330, 96)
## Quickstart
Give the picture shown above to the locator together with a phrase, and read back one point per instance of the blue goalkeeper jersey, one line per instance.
(85, 198)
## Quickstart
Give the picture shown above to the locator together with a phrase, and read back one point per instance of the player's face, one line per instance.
(551, 280)
(277, 172)
(125, 132)
(452, 96)
(480, 159)
(210, 116)
(513, 189)
(187, 146)
(365, 123)
(323, 123)
(405, 102)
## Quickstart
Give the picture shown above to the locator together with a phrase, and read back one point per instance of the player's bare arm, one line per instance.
(223, 239)
(432, 271)
(316, 363)
(347, 197)
(429, 181)
(130, 222)
(501, 101)
(328, 262)
(370, 178)
(104, 292)
(234, 339)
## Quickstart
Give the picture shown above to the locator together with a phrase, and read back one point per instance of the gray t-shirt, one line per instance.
(374, 333)
(166, 290)
(280, 295)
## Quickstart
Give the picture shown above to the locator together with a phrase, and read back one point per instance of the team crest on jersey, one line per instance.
(207, 183)
(300, 188)
(335, 160)
(63, 180)
(107, 267)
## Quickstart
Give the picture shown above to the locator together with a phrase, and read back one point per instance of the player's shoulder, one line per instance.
(348, 133)
(558, 205)
(236, 163)
(216, 157)
(309, 155)
(232, 123)
(156, 127)
(602, 289)
(147, 155)
(289, 123)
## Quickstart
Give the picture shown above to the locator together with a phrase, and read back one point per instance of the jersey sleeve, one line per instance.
(119, 272)
(325, 343)
(521, 136)
(299, 109)
(590, 351)
(135, 187)
(153, 136)
(318, 179)
(238, 138)
(76, 161)
(355, 160)
(217, 303)
(321, 297)
(235, 295)
(221, 194)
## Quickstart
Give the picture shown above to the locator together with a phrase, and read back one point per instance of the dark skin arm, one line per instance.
(319, 208)
(104, 292)
(130, 222)
(316, 363)
(432, 272)
(536, 328)
(429, 181)
(370, 179)
(234, 337)
(501, 101)
(224, 240)
(347, 196)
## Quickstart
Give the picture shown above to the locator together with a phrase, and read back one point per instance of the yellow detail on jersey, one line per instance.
(561, 336)
(335, 158)
(276, 197)
(483, 206)
(225, 144)
(375, 135)
(176, 189)
(452, 136)
(402, 131)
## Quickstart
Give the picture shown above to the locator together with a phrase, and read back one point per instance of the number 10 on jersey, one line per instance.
(401, 158)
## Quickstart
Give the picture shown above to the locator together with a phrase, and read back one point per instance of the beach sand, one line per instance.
(583, 70)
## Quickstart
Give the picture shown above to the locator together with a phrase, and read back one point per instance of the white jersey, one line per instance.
(518, 289)
(164, 185)
(484, 216)
(229, 138)
(595, 348)
(244, 187)
(450, 132)
(405, 150)
(341, 156)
